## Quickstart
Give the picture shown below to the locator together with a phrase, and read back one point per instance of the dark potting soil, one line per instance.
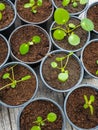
(70, 8)
(75, 111)
(51, 75)
(93, 15)
(8, 15)
(3, 50)
(25, 34)
(23, 90)
(42, 14)
(79, 31)
(40, 108)
(90, 55)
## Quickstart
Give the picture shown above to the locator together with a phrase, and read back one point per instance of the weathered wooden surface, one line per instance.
(8, 117)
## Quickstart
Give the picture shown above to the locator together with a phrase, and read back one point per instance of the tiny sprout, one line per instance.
(24, 47)
(2, 8)
(61, 17)
(75, 3)
(7, 76)
(33, 5)
(64, 74)
(97, 70)
(51, 117)
(88, 103)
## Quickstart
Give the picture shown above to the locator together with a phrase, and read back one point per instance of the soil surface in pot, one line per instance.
(92, 14)
(90, 56)
(40, 108)
(70, 8)
(23, 91)
(36, 51)
(51, 75)
(8, 15)
(42, 14)
(75, 111)
(79, 31)
(3, 50)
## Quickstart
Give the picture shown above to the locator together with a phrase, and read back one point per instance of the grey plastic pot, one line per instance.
(72, 14)
(7, 30)
(88, 74)
(91, 5)
(33, 95)
(58, 47)
(57, 52)
(43, 99)
(8, 50)
(37, 23)
(65, 102)
(43, 30)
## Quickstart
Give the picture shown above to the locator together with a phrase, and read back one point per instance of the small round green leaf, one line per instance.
(6, 76)
(36, 39)
(26, 78)
(59, 34)
(73, 39)
(75, 4)
(63, 76)
(39, 119)
(1, 16)
(87, 24)
(83, 2)
(65, 2)
(85, 106)
(32, 2)
(2, 6)
(92, 98)
(28, 5)
(24, 48)
(39, 2)
(35, 128)
(61, 16)
(60, 58)
(54, 64)
(71, 25)
(51, 117)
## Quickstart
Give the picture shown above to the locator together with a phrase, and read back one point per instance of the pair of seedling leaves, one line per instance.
(61, 17)
(11, 77)
(51, 117)
(33, 5)
(2, 8)
(74, 2)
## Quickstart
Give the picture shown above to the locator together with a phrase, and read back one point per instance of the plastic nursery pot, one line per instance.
(72, 10)
(64, 44)
(42, 15)
(89, 58)
(92, 13)
(25, 34)
(74, 107)
(18, 84)
(4, 50)
(41, 107)
(8, 18)
(61, 75)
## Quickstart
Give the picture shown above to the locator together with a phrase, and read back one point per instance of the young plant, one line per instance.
(2, 8)
(64, 74)
(24, 47)
(97, 70)
(63, 29)
(33, 5)
(75, 3)
(88, 103)
(11, 77)
(51, 117)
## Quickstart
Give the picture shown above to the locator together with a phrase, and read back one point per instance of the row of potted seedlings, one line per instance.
(60, 70)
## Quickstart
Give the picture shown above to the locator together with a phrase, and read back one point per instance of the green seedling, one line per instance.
(63, 29)
(33, 5)
(51, 117)
(64, 74)
(97, 70)
(11, 77)
(2, 8)
(75, 3)
(24, 47)
(88, 103)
